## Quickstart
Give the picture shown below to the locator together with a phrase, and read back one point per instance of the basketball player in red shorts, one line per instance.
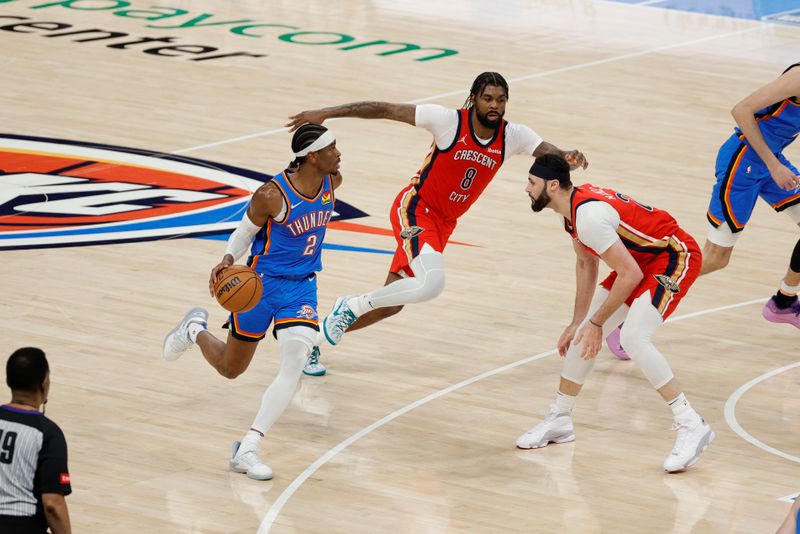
(470, 144)
(654, 264)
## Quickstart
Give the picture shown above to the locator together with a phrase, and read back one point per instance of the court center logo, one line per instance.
(56, 193)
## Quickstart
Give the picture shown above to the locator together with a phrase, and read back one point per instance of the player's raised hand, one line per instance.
(576, 159)
(314, 116)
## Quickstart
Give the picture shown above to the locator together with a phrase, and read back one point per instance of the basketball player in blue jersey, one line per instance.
(283, 229)
(751, 164)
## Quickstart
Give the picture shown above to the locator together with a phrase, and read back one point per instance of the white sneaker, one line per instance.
(556, 428)
(247, 461)
(313, 367)
(340, 319)
(178, 341)
(693, 438)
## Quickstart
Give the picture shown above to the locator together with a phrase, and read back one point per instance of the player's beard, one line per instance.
(489, 123)
(540, 203)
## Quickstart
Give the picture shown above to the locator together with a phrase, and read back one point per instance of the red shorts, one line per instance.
(669, 276)
(414, 225)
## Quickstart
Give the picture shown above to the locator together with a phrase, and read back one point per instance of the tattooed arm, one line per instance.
(574, 157)
(362, 110)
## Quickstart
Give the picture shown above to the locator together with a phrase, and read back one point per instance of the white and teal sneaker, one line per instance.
(313, 367)
(340, 319)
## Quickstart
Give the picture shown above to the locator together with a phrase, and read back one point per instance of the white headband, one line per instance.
(322, 141)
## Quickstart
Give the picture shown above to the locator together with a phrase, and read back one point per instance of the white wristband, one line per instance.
(241, 238)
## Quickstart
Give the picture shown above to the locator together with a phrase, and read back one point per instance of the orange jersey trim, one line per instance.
(244, 332)
(296, 320)
(727, 195)
(786, 201)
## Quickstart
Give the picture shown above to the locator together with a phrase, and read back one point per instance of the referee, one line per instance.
(33, 452)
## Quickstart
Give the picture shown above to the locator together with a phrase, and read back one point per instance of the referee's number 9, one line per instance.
(7, 442)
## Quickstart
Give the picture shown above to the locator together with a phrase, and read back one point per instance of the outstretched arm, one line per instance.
(362, 110)
(575, 158)
(786, 86)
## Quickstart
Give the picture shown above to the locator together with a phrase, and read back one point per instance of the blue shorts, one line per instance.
(289, 302)
(741, 178)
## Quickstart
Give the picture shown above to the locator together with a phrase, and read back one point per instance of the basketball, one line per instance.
(238, 288)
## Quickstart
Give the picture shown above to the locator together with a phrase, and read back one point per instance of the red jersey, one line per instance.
(451, 180)
(645, 231)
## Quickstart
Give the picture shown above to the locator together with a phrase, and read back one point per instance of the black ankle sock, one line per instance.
(784, 301)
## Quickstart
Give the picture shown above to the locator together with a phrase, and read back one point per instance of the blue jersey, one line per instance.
(291, 248)
(780, 122)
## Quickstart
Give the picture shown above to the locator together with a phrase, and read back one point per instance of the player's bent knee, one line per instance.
(433, 285)
(631, 340)
(302, 335)
(232, 371)
(715, 257)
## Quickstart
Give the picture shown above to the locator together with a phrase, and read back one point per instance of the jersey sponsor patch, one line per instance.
(326, 198)
(667, 283)
(64, 479)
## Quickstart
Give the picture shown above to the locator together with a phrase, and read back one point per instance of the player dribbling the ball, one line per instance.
(283, 229)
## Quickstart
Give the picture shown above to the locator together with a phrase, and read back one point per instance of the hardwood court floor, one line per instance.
(645, 93)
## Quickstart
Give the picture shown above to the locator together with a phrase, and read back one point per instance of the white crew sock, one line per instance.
(251, 440)
(360, 304)
(564, 403)
(195, 329)
(682, 410)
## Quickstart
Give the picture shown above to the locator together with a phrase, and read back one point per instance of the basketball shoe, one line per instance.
(247, 461)
(774, 314)
(178, 340)
(556, 428)
(340, 319)
(614, 345)
(313, 367)
(693, 437)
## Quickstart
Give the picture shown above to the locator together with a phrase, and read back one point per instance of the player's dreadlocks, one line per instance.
(484, 79)
(304, 136)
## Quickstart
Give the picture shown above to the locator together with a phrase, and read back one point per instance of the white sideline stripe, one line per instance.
(730, 413)
(714, 310)
(510, 81)
(283, 498)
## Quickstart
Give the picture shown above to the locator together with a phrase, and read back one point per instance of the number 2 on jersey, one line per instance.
(311, 243)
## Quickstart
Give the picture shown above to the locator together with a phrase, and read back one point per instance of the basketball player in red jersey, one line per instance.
(470, 144)
(654, 264)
